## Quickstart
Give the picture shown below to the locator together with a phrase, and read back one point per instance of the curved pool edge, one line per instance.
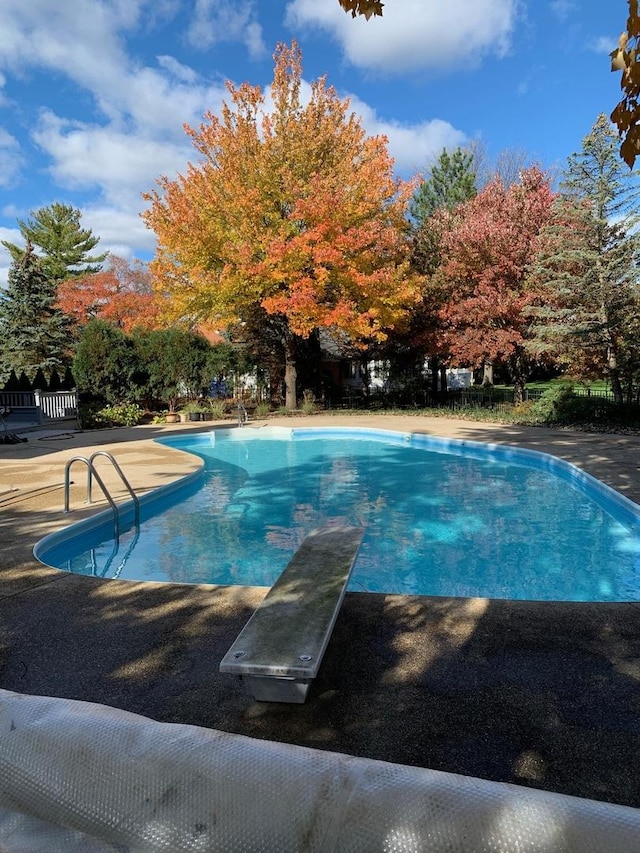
(539, 459)
(126, 510)
(547, 461)
(610, 499)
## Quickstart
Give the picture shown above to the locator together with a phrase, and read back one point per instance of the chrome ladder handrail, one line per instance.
(243, 417)
(91, 473)
(119, 471)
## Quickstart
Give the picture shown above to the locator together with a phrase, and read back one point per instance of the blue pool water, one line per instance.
(442, 518)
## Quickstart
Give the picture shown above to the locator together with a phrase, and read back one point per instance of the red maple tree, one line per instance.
(487, 248)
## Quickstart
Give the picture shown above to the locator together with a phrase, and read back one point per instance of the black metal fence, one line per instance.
(585, 404)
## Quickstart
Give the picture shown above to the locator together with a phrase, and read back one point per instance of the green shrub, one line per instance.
(217, 408)
(308, 402)
(97, 416)
(556, 405)
(193, 406)
(525, 412)
(107, 365)
(586, 410)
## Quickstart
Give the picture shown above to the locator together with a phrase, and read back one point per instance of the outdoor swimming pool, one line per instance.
(442, 517)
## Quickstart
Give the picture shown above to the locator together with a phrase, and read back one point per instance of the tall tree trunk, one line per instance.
(434, 364)
(518, 390)
(612, 357)
(290, 372)
(443, 378)
(517, 365)
(614, 376)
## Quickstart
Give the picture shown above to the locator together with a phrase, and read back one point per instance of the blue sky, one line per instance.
(94, 93)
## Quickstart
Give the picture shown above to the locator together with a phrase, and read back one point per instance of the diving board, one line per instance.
(280, 649)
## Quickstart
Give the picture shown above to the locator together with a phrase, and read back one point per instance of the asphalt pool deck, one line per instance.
(543, 694)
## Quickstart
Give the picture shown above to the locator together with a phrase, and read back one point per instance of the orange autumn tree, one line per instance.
(120, 294)
(292, 213)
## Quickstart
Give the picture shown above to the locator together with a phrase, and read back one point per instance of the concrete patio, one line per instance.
(536, 693)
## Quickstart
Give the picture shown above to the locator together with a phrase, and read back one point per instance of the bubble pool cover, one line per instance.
(75, 776)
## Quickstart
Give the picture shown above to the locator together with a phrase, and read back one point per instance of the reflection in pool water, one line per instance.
(441, 517)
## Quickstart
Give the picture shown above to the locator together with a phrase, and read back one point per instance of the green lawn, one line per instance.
(595, 385)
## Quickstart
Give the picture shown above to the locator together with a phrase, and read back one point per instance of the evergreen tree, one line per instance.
(33, 332)
(65, 247)
(451, 180)
(69, 382)
(587, 265)
(12, 382)
(175, 361)
(106, 364)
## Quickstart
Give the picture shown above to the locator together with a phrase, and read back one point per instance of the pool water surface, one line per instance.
(442, 517)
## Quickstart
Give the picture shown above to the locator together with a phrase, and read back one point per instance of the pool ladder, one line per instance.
(93, 474)
(243, 417)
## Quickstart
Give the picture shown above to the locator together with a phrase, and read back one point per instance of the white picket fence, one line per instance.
(38, 407)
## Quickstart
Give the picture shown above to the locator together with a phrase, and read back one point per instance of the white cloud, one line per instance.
(562, 9)
(414, 34)
(11, 211)
(83, 41)
(177, 69)
(226, 20)
(411, 145)
(11, 159)
(604, 44)
(122, 165)
(158, 104)
(145, 107)
(11, 235)
(254, 41)
(135, 133)
(119, 230)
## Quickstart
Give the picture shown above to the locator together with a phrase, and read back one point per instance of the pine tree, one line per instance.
(64, 245)
(586, 265)
(451, 181)
(33, 332)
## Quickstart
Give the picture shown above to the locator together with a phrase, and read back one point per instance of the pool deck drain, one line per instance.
(543, 694)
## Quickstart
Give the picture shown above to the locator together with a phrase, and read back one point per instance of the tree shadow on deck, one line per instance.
(540, 694)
